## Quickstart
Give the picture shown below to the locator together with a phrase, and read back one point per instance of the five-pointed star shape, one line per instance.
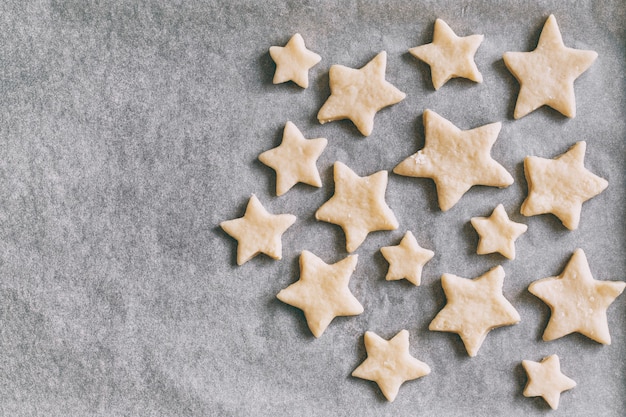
(258, 231)
(293, 61)
(449, 56)
(358, 94)
(294, 160)
(474, 307)
(560, 186)
(577, 301)
(358, 205)
(389, 363)
(497, 233)
(406, 260)
(546, 380)
(455, 159)
(322, 291)
(546, 75)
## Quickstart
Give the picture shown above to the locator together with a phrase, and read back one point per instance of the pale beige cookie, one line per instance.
(358, 94)
(449, 55)
(322, 291)
(293, 61)
(258, 231)
(474, 307)
(294, 159)
(497, 233)
(455, 159)
(358, 205)
(560, 186)
(577, 301)
(546, 75)
(546, 380)
(389, 363)
(406, 260)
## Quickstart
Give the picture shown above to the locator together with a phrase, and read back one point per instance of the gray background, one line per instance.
(129, 130)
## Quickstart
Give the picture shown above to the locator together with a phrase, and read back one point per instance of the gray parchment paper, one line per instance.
(130, 129)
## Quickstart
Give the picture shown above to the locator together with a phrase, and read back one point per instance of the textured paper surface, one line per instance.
(129, 130)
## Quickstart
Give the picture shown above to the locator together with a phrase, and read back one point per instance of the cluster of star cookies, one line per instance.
(456, 160)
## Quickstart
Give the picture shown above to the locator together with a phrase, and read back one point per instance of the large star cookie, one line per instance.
(455, 159)
(358, 94)
(358, 205)
(406, 260)
(546, 75)
(258, 231)
(474, 307)
(560, 186)
(546, 380)
(497, 233)
(577, 301)
(389, 363)
(322, 291)
(294, 160)
(293, 61)
(449, 55)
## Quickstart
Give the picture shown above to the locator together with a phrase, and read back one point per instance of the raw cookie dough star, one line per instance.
(293, 62)
(560, 186)
(455, 159)
(389, 363)
(497, 233)
(258, 231)
(546, 75)
(358, 94)
(358, 205)
(294, 160)
(474, 307)
(449, 56)
(546, 380)
(322, 291)
(577, 301)
(406, 260)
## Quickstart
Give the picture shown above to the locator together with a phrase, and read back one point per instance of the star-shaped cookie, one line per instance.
(546, 380)
(358, 94)
(546, 75)
(449, 55)
(560, 186)
(406, 260)
(358, 205)
(455, 159)
(497, 233)
(294, 159)
(322, 291)
(474, 307)
(577, 301)
(293, 61)
(258, 231)
(389, 363)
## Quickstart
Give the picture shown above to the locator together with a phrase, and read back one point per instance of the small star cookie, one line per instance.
(258, 231)
(577, 301)
(560, 186)
(546, 380)
(406, 260)
(497, 233)
(322, 291)
(449, 55)
(293, 62)
(389, 363)
(358, 94)
(546, 75)
(358, 205)
(474, 307)
(294, 160)
(455, 159)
